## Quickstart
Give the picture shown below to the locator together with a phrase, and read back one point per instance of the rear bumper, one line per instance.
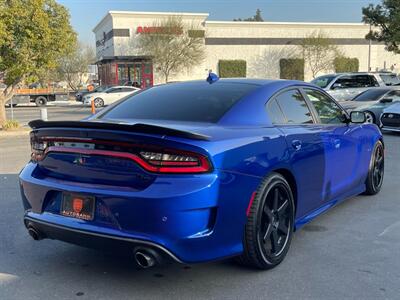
(192, 219)
(96, 240)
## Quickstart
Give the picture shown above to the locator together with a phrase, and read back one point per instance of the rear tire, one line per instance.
(376, 170)
(270, 223)
(98, 102)
(40, 101)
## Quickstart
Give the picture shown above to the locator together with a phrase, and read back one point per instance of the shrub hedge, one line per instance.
(346, 64)
(292, 68)
(232, 68)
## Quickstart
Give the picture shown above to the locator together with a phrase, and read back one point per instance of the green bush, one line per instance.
(346, 64)
(292, 68)
(11, 124)
(232, 68)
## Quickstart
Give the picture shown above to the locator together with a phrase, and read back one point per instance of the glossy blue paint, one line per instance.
(201, 217)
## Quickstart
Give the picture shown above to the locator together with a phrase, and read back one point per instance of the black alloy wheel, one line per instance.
(270, 224)
(376, 170)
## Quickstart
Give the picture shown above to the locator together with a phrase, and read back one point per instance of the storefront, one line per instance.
(261, 45)
(126, 71)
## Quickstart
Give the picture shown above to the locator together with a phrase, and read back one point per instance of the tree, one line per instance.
(172, 45)
(318, 53)
(74, 66)
(256, 18)
(33, 35)
(386, 18)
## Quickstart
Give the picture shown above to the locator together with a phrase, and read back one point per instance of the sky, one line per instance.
(85, 14)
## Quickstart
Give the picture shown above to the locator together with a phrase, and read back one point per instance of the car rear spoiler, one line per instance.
(138, 127)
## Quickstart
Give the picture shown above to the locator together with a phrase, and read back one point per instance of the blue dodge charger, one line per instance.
(199, 171)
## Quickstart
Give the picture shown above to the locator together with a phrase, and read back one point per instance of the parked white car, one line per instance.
(390, 118)
(109, 96)
(346, 86)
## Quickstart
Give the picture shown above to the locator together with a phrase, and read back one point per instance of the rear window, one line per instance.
(390, 79)
(192, 102)
(370, 95)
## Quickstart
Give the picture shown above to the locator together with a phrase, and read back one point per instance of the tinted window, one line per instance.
(193, 102)
(124, 90)
(294, 107)
(371, 95)
(329, 112)
(323, 81)
(113, 90)
(356, 81)
(275, 113)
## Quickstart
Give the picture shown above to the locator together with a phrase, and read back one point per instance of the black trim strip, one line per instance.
(107, 237)
(138, 128)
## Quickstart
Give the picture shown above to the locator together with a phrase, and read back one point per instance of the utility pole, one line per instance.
(369, 50)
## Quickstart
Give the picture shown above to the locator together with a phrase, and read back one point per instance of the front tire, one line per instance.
(376, 170)
(369, 117)
(98, 102)
(270, 223)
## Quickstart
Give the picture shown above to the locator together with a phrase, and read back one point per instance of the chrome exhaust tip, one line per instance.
(145, 259)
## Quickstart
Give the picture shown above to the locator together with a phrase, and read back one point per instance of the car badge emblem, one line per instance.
(390, 116)
(77, 205)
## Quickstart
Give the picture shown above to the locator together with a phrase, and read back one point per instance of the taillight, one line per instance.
(38, 150)
(175, 162)
(150, 158)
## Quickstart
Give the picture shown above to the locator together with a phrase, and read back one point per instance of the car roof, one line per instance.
(253, 81)
(358, 73)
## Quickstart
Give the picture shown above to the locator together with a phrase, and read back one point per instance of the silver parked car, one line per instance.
(390, 118)
(345, 86)
(372, 102)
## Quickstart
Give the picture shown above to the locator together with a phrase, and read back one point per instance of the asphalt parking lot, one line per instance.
(24, 114)
(351, 252)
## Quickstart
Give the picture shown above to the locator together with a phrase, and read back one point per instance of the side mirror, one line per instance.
(386, 100)
(357, 117)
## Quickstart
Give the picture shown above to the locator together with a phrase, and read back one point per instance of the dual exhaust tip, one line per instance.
(35, 234)
(145, 258)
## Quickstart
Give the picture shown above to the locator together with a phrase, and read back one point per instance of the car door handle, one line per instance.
(296, 145)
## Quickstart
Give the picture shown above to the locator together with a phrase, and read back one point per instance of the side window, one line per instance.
(275, 113)
(329, 112)
(356, 81)
(294, 107)
(373, 80)
(345, 82)
(127, 90)
(116, 90)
